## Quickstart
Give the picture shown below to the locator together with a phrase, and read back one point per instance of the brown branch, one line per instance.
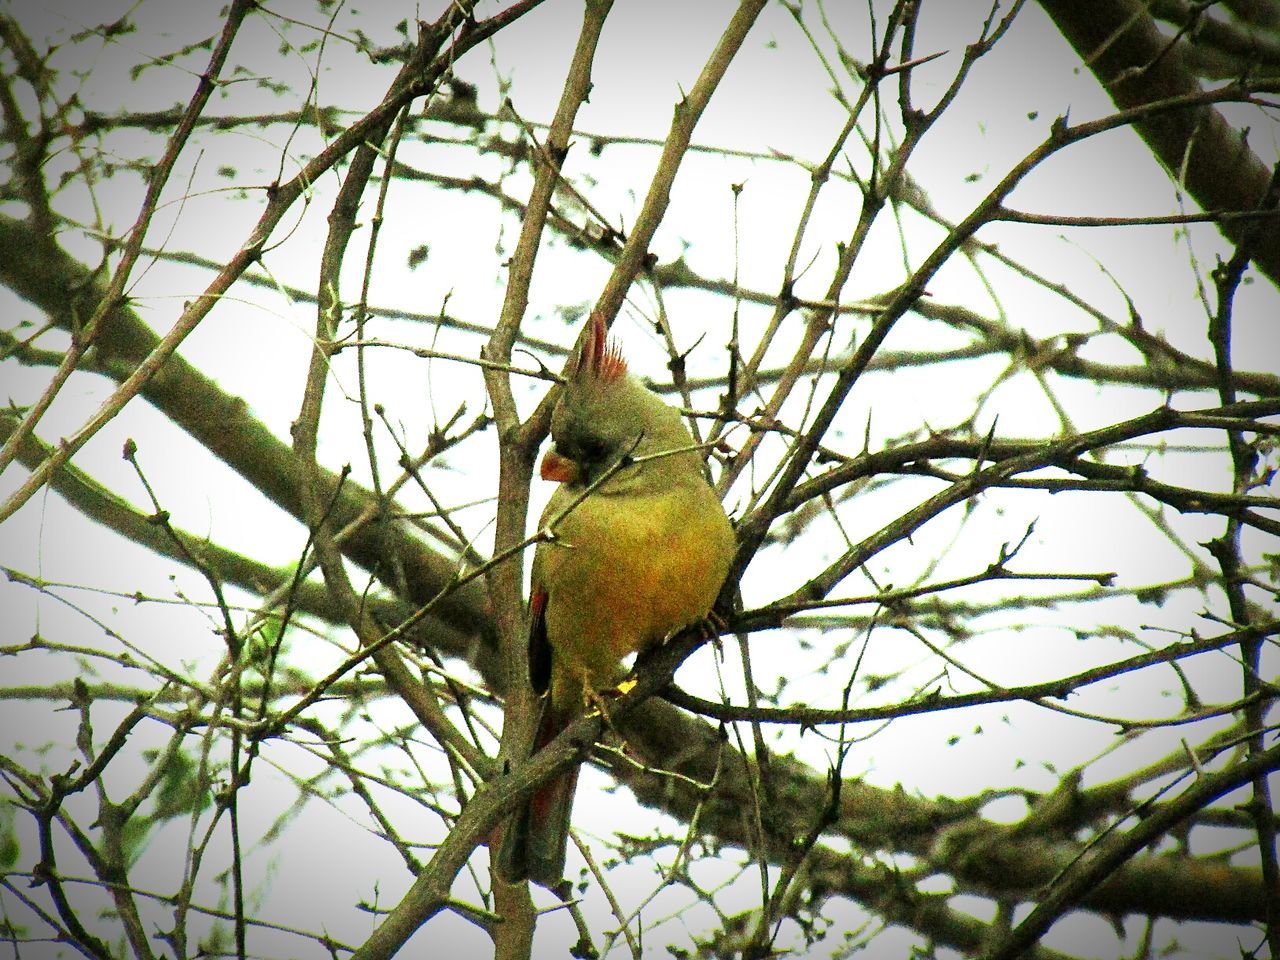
(280, 198)
(635, 251)
(517, 446)
(807, 716)
(1087, 872)
(83, 338)
(1226, 550)
(1045, 455)
(315, 495)
(222, 423)
(1138, 65)
(1009, 215)
(1231, 48)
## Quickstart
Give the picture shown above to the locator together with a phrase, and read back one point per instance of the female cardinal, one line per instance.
(643, 554)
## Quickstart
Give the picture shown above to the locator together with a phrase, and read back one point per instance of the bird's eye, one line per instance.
(593, 450)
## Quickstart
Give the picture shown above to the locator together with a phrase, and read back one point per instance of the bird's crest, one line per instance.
(601, 357)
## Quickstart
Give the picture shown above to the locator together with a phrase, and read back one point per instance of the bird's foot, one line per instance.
(598, 700)
(710, 629)
(713, 625)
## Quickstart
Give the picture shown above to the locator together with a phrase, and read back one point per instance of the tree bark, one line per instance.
(1138, 65)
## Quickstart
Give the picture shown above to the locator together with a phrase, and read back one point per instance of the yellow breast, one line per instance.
(626, 571)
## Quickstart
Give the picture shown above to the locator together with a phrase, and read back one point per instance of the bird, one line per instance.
(639, 547)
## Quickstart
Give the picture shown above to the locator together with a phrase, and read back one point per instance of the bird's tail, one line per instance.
(534, 841)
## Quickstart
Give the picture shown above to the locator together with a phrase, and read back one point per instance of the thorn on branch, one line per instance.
(907, 65)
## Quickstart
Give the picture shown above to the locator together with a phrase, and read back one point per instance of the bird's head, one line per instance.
(605, 416)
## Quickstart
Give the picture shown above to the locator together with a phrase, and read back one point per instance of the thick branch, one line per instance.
(1137, 64)
(61, 286)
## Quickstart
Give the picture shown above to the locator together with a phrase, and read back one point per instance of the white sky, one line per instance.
(773, 98)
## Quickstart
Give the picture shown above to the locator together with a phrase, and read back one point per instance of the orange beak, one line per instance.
(557, 468)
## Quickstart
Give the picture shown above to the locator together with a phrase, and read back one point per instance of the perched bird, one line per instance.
(642, 555)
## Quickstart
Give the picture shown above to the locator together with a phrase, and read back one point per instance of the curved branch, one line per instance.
(1137, 65)
(221, 422)
(1084, 874)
